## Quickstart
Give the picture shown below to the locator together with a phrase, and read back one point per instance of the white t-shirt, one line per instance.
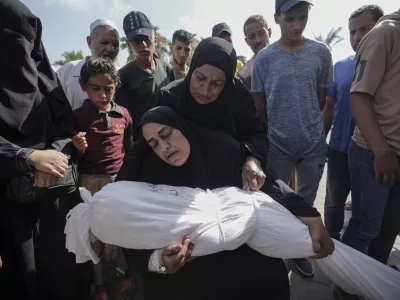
(68, 75)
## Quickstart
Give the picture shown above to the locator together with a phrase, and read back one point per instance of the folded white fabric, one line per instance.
(138, 215)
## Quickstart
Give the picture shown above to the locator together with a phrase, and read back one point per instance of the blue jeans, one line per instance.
(337, 190)
(369, 200)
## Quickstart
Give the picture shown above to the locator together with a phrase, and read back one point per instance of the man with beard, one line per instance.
(181, 48)
(103, 41)
(257, 35)
(337, 111)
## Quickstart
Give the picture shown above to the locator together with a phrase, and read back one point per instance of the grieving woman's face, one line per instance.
(206, 84)
(167, 142)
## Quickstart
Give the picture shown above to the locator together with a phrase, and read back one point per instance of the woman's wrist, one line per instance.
(24, 163)
(253, 159)
(155, 261)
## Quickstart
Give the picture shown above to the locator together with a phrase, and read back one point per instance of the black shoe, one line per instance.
(305, 267)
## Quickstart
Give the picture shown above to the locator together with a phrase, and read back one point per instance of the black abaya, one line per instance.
(215, 161)
(34, 115)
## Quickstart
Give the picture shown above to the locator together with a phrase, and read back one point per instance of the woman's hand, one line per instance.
(253, 176)
(174, 257)
(79, 141)
(48, 161)
(43, 179)
(323, 245)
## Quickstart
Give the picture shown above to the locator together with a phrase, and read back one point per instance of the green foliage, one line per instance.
(69, 56)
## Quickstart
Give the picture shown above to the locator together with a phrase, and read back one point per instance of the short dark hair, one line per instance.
(254, 19)
(375, 10)
(182, 36)
(98, 66)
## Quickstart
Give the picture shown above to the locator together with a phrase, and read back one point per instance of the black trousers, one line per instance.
(337, 191)
(48, 270)
(232, 275)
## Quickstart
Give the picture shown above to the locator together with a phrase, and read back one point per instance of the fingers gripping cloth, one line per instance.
(144, 216)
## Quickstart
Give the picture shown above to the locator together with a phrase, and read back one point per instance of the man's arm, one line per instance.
(128, 133)
(386, 163)
(327, 114)
(372, 62)
(261, 107)
(258, 92)
(321, 98)
(365, 118)
(325, 79)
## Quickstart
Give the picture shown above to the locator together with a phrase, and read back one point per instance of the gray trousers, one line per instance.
(308, 174)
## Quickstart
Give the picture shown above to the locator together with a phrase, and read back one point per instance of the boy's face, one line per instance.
(100, 90)
(181, 52)
(143, 46)
(293, 22)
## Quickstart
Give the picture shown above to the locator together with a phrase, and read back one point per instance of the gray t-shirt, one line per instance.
(290, 82)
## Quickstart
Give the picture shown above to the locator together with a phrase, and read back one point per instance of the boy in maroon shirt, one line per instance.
(104, 129)
(104, 135)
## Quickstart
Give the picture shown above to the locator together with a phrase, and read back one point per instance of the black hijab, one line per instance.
(233, 112)
(220, 54)
(215, 158)
(32, 103)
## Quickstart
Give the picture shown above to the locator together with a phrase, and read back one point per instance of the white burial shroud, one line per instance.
(139, 215)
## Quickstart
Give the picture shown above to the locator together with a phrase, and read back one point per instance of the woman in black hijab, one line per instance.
(210, 96)
(35, 146)
(195, 156)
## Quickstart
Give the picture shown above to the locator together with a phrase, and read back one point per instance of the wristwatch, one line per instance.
(155, 262)
(162, 270)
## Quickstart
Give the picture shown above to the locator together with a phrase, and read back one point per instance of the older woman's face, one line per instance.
(167, 142)
(206, 84)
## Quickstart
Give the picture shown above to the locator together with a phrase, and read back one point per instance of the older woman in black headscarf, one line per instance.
(212, 97)
(35, 147)
(186, 154)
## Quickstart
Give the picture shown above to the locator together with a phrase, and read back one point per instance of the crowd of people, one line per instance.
(207, 119)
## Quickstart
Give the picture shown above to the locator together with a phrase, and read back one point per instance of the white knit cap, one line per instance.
(100, 22)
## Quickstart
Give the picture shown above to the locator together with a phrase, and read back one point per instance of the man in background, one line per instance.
(289, 83)
(103, 41)
(223, 31)
(337, 114)
(374, 152)
(141, 79)
(257, 35)
(181, 48)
